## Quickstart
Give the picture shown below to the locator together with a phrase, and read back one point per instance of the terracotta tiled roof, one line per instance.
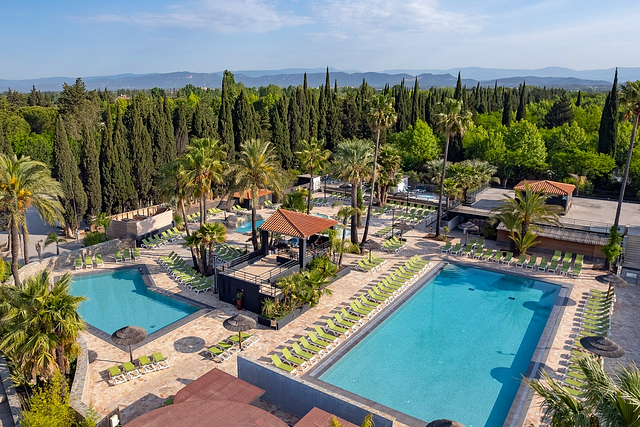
(247, 193)
(547, 187)
(567, 235)
(296, 224)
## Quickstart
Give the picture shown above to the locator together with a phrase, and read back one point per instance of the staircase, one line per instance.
(632, 249)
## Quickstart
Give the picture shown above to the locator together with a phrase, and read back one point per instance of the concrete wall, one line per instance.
(589, 251)
(67, 259)
(10, 391)
(120, 227)
(299, 396)
(80, 384)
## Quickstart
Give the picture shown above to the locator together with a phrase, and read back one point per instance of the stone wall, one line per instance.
(67, 259)
(10, 391)
(80, 383)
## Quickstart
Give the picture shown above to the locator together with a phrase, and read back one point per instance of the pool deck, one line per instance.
(185, 345)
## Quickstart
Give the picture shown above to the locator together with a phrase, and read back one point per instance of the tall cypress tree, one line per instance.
(141, 153)
(333, 129)
(110, 170)
(350, 118)
(403, 109)
(157, 133)
(90, 170)
(579, 100)
(415, 103)
(506, 108)
(521, 114)
(65, 170)
(5, 146)
(225, 119)
(181, 119)
(126, 195)
(293, 119)
(457, 94)
(201, 126)
(169, 134)
(322, 114)
(303, 116)
(608, 131)
(280, 140)
(244, 126)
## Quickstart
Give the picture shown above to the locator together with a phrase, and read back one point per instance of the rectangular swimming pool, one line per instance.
(457, 349)
(120, 298)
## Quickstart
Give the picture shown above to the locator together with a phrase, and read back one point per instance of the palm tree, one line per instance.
(41, 324)
(580, 180)
(205, 238)
(630, 102)
(353, 163)
(201, 168)
(390, 161)
(530, 209)
(257, 168)
(53, 238)
(343, 215)
(381, 116)
(454, 120)
(25, 183)
(451, 190)
(313, 155)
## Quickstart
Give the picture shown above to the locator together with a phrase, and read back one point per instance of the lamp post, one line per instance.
(393, 219)
(407, 199)
(326, 178)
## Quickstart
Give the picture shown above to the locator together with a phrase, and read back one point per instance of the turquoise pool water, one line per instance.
(455, 350)
(120, 298)
(246, 227)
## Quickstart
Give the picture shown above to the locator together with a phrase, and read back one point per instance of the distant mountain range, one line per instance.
(596, 80)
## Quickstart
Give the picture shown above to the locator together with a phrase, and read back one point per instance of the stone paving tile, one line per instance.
(185, 347)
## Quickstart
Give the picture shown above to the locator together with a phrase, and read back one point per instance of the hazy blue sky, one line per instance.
(44, 38)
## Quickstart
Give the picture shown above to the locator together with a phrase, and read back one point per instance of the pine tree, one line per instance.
(561, 112)
(521, 114)
(506, 108)
(141, 153)
(225, 119)
(5, 146)
(90, 170)
(110, 170)
(33, 98)
(126, 195)
(65, 170)
(608, 131)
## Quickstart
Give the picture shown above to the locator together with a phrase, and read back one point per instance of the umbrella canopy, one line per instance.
(129, 335)
(346, 186)
(444, 423)
(403, 226)
(371, 245)
(239, 323)
(469, 227)
(602, 346)
(613, 281)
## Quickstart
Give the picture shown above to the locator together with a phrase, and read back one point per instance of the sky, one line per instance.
(47, 38)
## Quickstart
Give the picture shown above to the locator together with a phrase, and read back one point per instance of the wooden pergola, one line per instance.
(294, 224)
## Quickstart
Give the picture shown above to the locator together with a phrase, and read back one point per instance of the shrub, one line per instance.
(93, 238)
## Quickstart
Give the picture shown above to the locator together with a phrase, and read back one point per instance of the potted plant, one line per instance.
(239, 296)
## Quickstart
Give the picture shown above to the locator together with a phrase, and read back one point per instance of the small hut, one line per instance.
(559, 193)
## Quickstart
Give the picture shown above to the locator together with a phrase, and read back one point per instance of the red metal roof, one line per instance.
(317, 417)
(218, 385)
(547, 187)
(296, 224)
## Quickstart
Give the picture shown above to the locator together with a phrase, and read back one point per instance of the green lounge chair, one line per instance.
(285, 367)
(116, 375)
(533, 261)
(508, 258)
(118, 255)
(320, 343)
(362, 311)
(456, 249)
(136, 253)
(165, 235)
(78, 263)
(146, 364)
(131, 370)
(327, 337)
(160, 361)
(478, 253)
(579, 259)
(543, 264)
(294, 360)
(127, 255)
(473, 241)
(88, 262)
(565, 269)
(488, 255)
(480, 242)
(446, 248)
(309, 357)
(467, 250)
(362, 266)
(556, 256)
(567, 258)
(216, 352)
(345, 323)
(577, 269)
(320, 351)
(522, 260)
(498, 257)
(99, 262)
(553, 267)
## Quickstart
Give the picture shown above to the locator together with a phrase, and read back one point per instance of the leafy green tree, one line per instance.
(206, 237)
(90, 172)
(295, 201)
(382, 116)
(525, 152)
(613, 249)
(454, 120)
(257, 168)
(5, 146)
(561, 112)
(65, 170)
(417, 145)
(314, 158)
(141, 153)
(353, 162)
(607, 133)
(41, 324)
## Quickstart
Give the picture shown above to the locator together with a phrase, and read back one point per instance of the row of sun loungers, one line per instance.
(226, 252)
(394, 245)
(184, 274)
(88, 262)
(370, 264)
(127, 255)
(162, 238)
(324, 339)
(321, 201)
(594, 320)
(143, 365)
(230, 346)
(341, 197)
